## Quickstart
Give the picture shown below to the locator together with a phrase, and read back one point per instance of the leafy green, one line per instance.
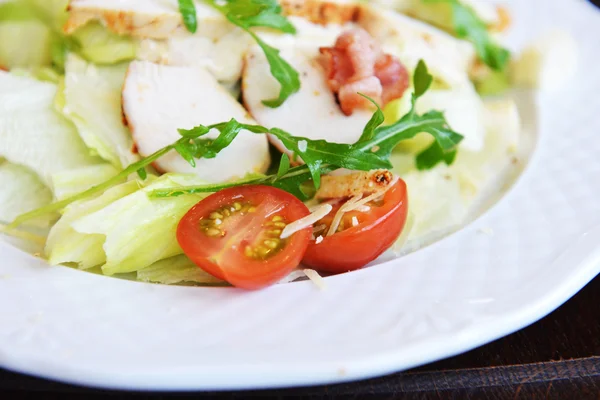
(33, 134)
(284, 165)
(188, 12)
(140, 230)
(248, 14)
(28, 46)
(92, 101)
(70, 182)
(433, 155)
(34, 27)
(469, 26)
(371, 151)
(97, 44)
(67, 245)
(177, 269)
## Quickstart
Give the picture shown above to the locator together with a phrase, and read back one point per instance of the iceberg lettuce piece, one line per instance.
(33, 134)
(177, 269)
(101, 46)
(92, 101)
(140, 230)
(35, 31)
(66, 245)
(68, 183)
(25, 44)
(45, 74)
(22, 191)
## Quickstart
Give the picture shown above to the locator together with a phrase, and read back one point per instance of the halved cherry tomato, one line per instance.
(362, 236)
(234, 235)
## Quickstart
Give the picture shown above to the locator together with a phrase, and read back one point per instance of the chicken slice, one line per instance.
(321, 11)
(160, 19)
(156, 19)
(411, 40)
(159, 99)
(312, 112)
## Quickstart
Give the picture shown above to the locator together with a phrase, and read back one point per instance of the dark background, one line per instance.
(556, 358)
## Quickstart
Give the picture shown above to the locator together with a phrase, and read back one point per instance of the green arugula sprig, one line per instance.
(248, 14)
(371, 151)
(468, 25)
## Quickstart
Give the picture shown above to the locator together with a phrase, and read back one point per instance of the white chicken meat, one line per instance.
(159, 99)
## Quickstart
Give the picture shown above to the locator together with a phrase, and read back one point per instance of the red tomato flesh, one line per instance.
(234, 235)
(356, 245)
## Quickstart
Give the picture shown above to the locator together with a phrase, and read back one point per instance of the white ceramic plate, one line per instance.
(463, 291)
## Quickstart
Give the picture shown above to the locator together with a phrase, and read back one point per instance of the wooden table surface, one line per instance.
(557, 358)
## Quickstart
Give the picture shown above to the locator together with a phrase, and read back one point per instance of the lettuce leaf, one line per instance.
(98, 45)
(177, 269)
(33, 134)
(22, 191)
(70, 182)
(92, 101)
(123, 230)
(66, 245)
(25, 44)
(35, 31)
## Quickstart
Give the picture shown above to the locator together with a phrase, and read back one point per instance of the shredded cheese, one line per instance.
(338, 216)
(354, 221)
(319, 239)
(355, 203)
(307, 221)
(316, 278)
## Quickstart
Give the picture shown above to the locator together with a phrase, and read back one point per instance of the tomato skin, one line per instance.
(355, 247)
(226, 260)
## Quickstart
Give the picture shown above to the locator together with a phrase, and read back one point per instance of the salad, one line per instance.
(250, 142)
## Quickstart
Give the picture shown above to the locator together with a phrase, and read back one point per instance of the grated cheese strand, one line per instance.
(307, 221)
(338, 216)
(355, 203)
(315, 278)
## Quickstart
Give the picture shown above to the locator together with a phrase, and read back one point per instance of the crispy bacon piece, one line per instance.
(357, 64)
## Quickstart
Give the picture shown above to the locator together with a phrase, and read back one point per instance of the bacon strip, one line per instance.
(357, 64)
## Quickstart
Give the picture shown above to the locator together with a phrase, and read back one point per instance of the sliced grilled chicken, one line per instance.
(312, 112)
(321, 11)
(411, 40)
(223, 57)
(160, 19)
(159, 99)
(156, 19)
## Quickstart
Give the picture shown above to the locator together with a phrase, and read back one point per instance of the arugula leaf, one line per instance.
(284, 73)
(421, 79)
(284, 165)
(142, 173)
(433, 155)
(188, 13)
(248, 14)
(258, 13)
(468, 25)
(376, 120)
